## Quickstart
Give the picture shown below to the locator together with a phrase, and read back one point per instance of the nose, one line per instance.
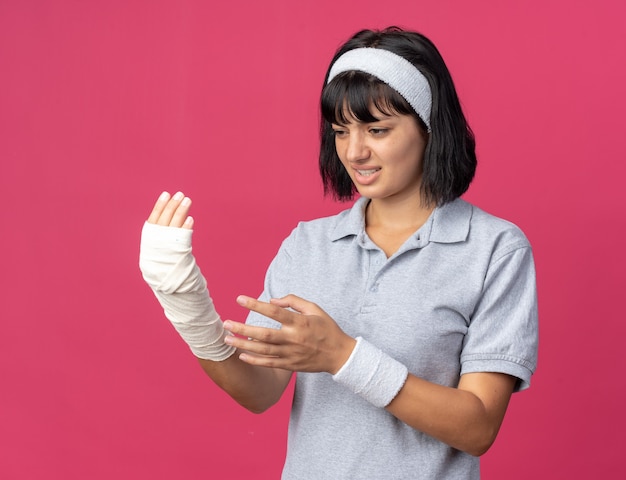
(356, 147)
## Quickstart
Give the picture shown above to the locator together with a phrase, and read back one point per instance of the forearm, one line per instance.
(255, 388)
(170, 270)
(467, 418)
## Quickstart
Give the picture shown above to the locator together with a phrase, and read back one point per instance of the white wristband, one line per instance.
(170, 269)
(372, 374)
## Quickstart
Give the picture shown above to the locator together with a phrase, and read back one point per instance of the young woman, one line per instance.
(409, 318)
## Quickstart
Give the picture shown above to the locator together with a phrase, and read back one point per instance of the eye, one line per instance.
(339, 132)
(377, 131)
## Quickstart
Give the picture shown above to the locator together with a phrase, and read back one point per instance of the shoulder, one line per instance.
(463, 223)
(323, 225)
(328, 229)
(476, 234)
(503, 235)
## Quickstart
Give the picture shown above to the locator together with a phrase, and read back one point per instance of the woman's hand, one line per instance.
(308, 340)
(192, 312)
(172, 211)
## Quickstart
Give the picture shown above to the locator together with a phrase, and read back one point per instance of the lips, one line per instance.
(366, 176)
(367, 173)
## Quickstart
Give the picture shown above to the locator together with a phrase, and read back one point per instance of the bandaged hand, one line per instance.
(169, 268)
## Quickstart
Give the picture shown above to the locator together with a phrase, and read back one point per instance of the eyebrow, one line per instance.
(356, 120)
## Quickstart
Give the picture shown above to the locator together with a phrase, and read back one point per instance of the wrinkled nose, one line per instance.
(357, 149)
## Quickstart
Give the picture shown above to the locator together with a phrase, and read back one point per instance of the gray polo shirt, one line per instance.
(459, 296)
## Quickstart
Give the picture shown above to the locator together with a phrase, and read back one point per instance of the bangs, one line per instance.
(351, 95)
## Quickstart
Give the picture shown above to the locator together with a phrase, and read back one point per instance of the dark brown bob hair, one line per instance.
(450, 155)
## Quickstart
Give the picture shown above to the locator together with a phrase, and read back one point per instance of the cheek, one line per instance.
(340, 149)
(415, 158)
(338, 146)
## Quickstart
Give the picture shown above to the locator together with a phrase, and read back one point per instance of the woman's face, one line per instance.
(383, 158)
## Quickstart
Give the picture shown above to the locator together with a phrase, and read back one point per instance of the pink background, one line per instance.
(105, 104)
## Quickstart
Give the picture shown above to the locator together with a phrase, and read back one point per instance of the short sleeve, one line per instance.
(503, 332)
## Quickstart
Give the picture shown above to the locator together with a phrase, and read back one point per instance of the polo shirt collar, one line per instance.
(449, 223)
(351, 222)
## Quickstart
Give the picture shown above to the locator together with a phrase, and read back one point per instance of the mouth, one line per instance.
(366, 176)
(368, 172)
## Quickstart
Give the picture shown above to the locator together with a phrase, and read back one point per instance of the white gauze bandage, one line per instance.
(392, 69)
(170, 269)
(372, 374)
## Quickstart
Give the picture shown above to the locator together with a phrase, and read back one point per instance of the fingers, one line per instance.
(158, 207)
(298, 304)
(188, 223)
(260, 334)
(270, 310)
(261, 346)
(284, 310)
(180, 211)
(172, 211)
(258, 345)
(309, 340)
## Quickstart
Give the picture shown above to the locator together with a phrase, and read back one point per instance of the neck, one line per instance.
(406, 214)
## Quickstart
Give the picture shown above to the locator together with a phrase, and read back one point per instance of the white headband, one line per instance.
(392, 69)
